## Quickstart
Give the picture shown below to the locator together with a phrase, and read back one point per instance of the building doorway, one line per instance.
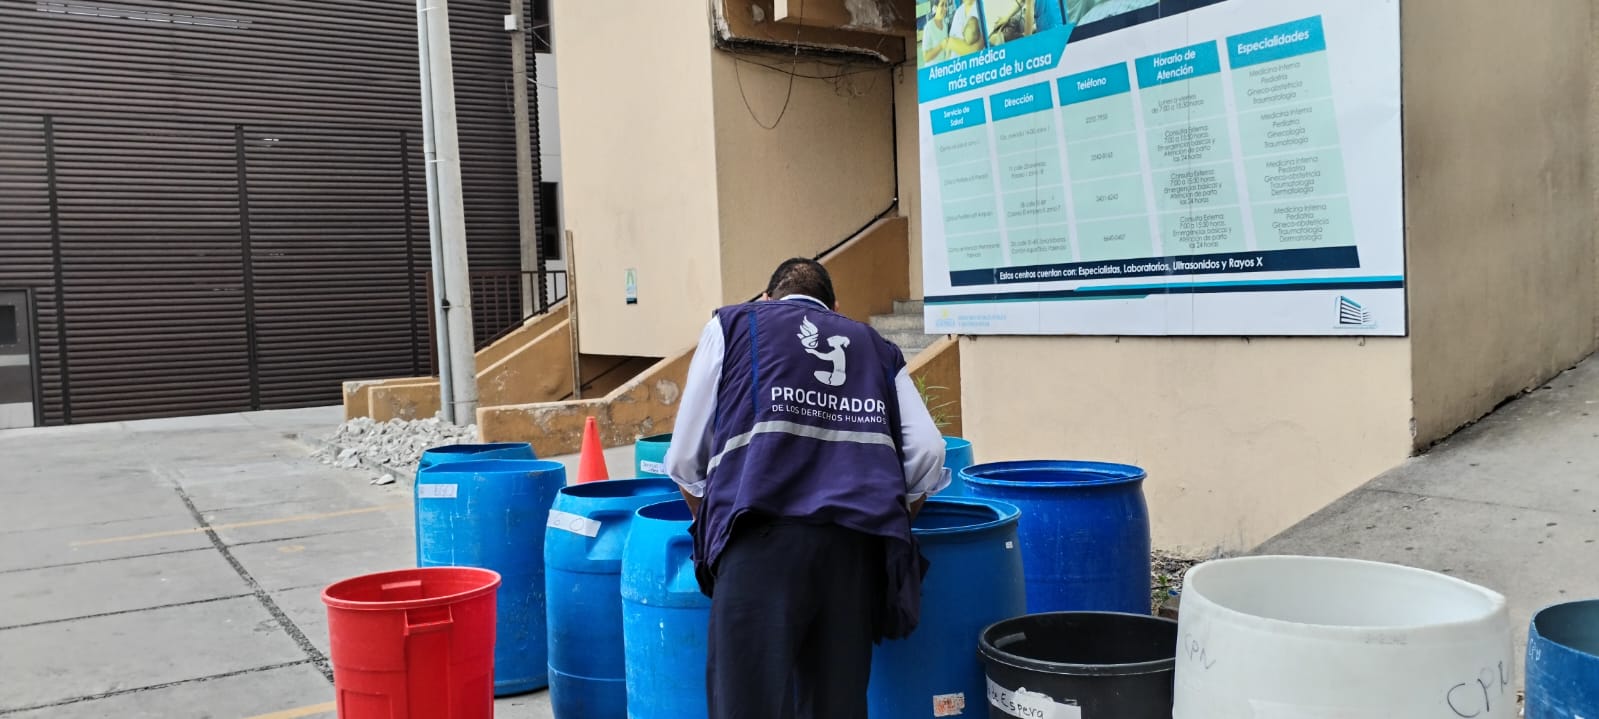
(18, 380)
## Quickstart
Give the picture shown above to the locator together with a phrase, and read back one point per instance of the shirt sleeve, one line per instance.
(690, 451)
(923, 444)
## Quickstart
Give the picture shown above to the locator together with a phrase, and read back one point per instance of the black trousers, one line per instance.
(793, 622)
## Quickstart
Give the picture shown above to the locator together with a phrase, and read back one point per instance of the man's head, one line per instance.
(800, 276)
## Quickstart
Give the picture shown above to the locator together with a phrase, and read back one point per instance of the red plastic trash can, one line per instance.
(414, 643)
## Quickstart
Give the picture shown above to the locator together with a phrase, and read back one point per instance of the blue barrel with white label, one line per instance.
(665, 619)
(649, 455)
(473, 452)
(1563, 662)
(957, 456)
(583, 545)
(491, 514)
(974, 579)
(1084, 532)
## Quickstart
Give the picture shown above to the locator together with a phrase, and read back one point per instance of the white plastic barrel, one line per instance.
(1322, 638)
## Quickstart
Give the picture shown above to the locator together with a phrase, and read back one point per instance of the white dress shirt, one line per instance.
(690, 452)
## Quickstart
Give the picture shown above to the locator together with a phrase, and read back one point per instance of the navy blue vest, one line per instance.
(807, 427)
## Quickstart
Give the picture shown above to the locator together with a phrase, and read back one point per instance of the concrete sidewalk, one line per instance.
(173, 568)
(1511, 503)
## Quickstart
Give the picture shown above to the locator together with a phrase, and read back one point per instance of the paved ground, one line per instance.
(1511, 503)
(174, 568)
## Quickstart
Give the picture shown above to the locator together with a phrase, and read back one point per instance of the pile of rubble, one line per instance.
(396, 444)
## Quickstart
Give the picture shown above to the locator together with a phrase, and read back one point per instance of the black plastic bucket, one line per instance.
(1089, 664)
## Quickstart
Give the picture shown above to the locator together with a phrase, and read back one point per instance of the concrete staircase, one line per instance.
(905, 327)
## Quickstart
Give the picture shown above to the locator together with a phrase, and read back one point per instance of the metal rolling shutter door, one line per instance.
(133, 80)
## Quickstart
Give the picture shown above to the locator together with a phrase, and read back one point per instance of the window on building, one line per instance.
(10, 328)
(539, 23)
(550, 220)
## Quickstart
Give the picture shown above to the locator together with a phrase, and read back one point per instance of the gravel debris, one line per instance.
(1166, 570)
(398, 443)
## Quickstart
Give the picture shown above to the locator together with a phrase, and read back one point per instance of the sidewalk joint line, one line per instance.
(293, 630)
(126, 611)
(152, 687)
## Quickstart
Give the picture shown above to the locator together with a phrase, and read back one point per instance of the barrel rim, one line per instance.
(1497, 604)
(639, 514)
(475, 447)
(499, 466)
(953, 442)
(491, 584)
(988, 652)
(1009, 514)
(591, 490)
(1099, 474)
(665, 437)
(1535, 633)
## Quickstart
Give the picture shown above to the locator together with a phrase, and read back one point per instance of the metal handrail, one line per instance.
(503, 301)
(555, 280)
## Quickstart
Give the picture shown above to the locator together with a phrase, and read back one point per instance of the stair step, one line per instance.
(898, 323)
(904, 307)
(911, 343)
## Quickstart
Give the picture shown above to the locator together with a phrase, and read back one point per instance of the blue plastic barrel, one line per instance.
(491, 514)
(957, 456)
(473, 452)
(1563, 662)
(649, 455)
(583, 544)
(664, 617)
(1084, 532)
(974, 580)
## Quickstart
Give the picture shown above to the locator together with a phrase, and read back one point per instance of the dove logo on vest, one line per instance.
(809, 336)
(820, 404)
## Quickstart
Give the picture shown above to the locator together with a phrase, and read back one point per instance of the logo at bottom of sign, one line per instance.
(1030, 705)
(949, 705)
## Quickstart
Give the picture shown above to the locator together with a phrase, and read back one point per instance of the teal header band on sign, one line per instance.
(1021, 101)
(1095, 84)
(959, 117)
(1300, 37)
(993, 65)
(1178, 65)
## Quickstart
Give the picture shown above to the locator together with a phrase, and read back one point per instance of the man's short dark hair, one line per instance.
(800, 276)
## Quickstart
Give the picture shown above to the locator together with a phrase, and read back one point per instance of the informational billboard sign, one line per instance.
(1151, 167)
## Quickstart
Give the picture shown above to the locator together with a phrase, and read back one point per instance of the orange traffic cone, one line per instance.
(591, 464)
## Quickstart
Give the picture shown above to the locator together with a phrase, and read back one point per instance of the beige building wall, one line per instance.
(1499, 195)
(638, 148)
(801, 163)
(1241, 438)
(908, 145)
